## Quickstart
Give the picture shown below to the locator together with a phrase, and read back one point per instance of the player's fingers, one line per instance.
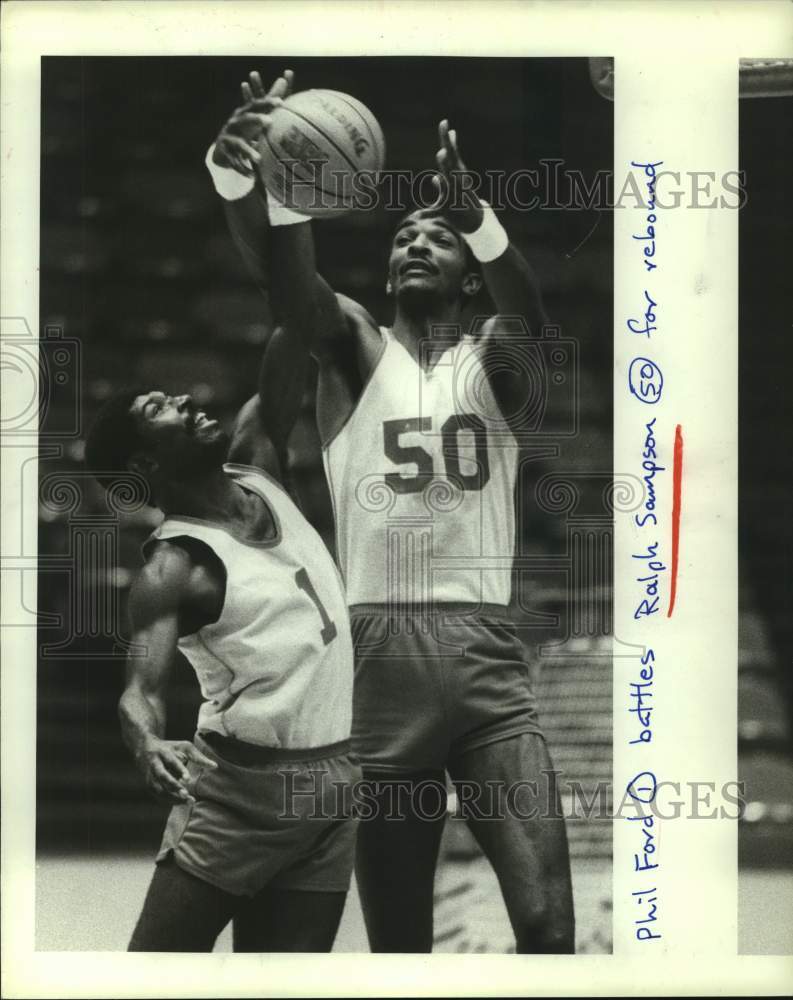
(442, 159)
(242, 164)
(247, 93)
(283, 85)
(456, 151)
(279, 89)
(252, 118)
(163, 780)
(238, 146)
(455, 148)
(256, 84)
(442, 187)
(174, 763)
(266, 103)
(194, 754)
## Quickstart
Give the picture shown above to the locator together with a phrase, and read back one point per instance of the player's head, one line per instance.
(430, 261)
(164, 438)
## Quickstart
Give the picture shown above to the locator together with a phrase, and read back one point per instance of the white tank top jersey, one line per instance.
(422, 477)
(276, 668)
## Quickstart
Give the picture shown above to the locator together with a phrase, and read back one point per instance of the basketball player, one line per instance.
(236, 579)
(420, 424)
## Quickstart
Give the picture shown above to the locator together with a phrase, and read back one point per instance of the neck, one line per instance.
(429, 327)
(210, 495)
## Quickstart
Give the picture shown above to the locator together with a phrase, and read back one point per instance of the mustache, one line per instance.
(421, 262)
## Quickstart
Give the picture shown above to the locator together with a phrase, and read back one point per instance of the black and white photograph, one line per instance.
(396, 546)
(325, 537)
(765, 685)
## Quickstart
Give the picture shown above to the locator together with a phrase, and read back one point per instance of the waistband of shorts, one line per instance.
(397, 610)
(250, 755)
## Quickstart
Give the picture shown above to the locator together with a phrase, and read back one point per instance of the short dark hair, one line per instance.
(471, 263)
(114, 438)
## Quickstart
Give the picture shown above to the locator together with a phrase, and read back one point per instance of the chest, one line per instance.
(435, 420)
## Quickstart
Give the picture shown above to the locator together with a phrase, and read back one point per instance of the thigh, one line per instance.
(399, 719)
(181, 912)
(398, 839)
(514, 811)
(490, 687)
(288, 920)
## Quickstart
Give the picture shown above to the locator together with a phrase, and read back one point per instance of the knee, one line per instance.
(545, 933)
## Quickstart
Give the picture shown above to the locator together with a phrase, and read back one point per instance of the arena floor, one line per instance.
(91, 903)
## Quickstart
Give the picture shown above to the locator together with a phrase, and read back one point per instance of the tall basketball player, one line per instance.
(420, 425)
(236, 579)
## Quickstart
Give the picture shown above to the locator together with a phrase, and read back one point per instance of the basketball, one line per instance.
(322, 153)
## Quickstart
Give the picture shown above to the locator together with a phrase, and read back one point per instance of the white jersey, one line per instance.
(422, 477)
(276, 668)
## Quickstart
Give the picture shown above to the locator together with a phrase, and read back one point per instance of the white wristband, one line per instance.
(490, 240)
(280, 215)
(230, 185)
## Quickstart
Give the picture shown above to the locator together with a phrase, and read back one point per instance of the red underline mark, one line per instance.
(677, 484)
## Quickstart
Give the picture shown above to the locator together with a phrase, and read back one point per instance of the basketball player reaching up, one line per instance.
(420, 425)
(236, 579)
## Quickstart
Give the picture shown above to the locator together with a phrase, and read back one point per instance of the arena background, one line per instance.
(765, 678)
(140, 283)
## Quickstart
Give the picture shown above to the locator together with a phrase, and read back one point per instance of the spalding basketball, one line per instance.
(322, 153)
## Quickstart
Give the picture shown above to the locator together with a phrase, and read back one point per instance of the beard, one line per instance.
(197, 457)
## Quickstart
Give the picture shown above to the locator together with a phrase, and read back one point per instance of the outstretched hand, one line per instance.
(456, 184)
(236, 143)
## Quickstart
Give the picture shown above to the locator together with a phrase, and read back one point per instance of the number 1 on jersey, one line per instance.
(303, 580)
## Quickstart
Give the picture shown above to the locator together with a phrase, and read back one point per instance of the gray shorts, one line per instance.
(284, 819)
(432, 684)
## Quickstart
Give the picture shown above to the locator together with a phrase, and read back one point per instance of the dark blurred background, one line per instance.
(765, 691)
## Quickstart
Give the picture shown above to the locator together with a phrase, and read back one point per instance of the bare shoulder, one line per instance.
(355, 312)
(163, 583)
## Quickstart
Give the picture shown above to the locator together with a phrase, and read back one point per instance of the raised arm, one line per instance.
(508, 277)
(265, 422)
(155, 599)
(278, 248)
